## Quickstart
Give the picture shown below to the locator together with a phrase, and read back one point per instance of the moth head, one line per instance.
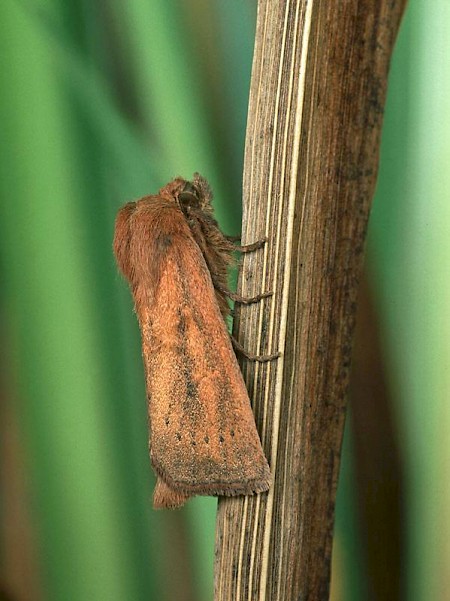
(189, 197)
(196, 194)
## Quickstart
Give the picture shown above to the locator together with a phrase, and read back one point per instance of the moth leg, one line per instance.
(260, 358)
(244, 300)
(246, 248)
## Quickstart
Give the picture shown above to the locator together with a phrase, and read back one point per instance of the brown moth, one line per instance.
(203, 438)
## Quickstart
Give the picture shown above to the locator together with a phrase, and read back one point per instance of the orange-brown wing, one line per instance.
(203, 438)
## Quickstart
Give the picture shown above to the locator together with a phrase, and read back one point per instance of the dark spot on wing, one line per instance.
(187, 361)
(181, 323)
(191, 388)
(164, 241)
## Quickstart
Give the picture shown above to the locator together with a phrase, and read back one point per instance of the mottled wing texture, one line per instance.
(203, 438)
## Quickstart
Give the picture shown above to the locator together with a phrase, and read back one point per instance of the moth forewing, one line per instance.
(203, 438)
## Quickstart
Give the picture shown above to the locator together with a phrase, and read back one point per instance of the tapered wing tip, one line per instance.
(166, 496)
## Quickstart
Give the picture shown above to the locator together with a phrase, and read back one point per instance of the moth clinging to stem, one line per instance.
(203, 438)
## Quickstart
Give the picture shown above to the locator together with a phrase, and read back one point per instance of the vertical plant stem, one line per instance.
(316, 104)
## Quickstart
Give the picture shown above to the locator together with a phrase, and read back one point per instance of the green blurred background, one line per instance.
(102, 102)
